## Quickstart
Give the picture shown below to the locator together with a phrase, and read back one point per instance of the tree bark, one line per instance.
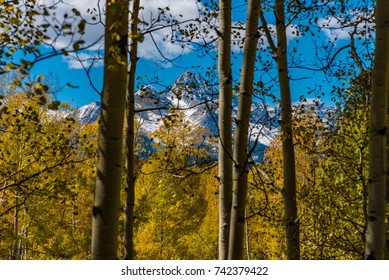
(225, 126)
(106, 207)
(289, 170)
(130, 133)
(375, 239)
(14, 250)
(387, 183)
(387, 187)
(240, 165)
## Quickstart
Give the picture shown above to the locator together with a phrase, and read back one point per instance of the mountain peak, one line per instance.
(88, 113)
(147, 90)
(94, 104)
(190, 79)
(191, 88)
(193, 82)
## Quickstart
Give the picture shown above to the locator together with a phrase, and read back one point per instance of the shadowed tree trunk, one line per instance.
(375, 238)
(386, 248)
(106, 207)
(387, 187)
(130, 132)
(289, 170)
(280, 50)
(225, 126)
(240, 165)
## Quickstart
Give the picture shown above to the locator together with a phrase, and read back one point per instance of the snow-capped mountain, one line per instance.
(195, 101)
(191, 96)
(88, 113)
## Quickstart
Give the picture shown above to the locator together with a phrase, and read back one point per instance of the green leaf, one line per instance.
(77, 45)
(54, 105)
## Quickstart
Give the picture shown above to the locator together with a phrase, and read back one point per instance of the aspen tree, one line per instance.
(375, 238)
(106, 207)
(288, 155)
(225, 126)
(240, 165)
(130, 132)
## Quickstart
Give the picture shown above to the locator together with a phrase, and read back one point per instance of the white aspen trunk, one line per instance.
(240, 166)
(14, 247)
(130, 133)
(375, 238)
(225, 126)
(24, 251)
(106, 207)
(248, 253)
(289, 170)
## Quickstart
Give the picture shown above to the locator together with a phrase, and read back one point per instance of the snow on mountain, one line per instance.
(151, 107)
(192, 97)
(88, 113)
(195, 99)
(190, 88)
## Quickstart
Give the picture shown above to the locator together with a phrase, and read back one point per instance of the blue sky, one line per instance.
(67, 70)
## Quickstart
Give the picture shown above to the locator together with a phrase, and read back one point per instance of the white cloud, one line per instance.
(353, 23)
(83, 60)
(161, 39)
(150, 48)
(292, 32)
(94, 30)
(332, 28)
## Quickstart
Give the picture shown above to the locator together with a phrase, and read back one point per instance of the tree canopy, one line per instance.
(272, 144)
